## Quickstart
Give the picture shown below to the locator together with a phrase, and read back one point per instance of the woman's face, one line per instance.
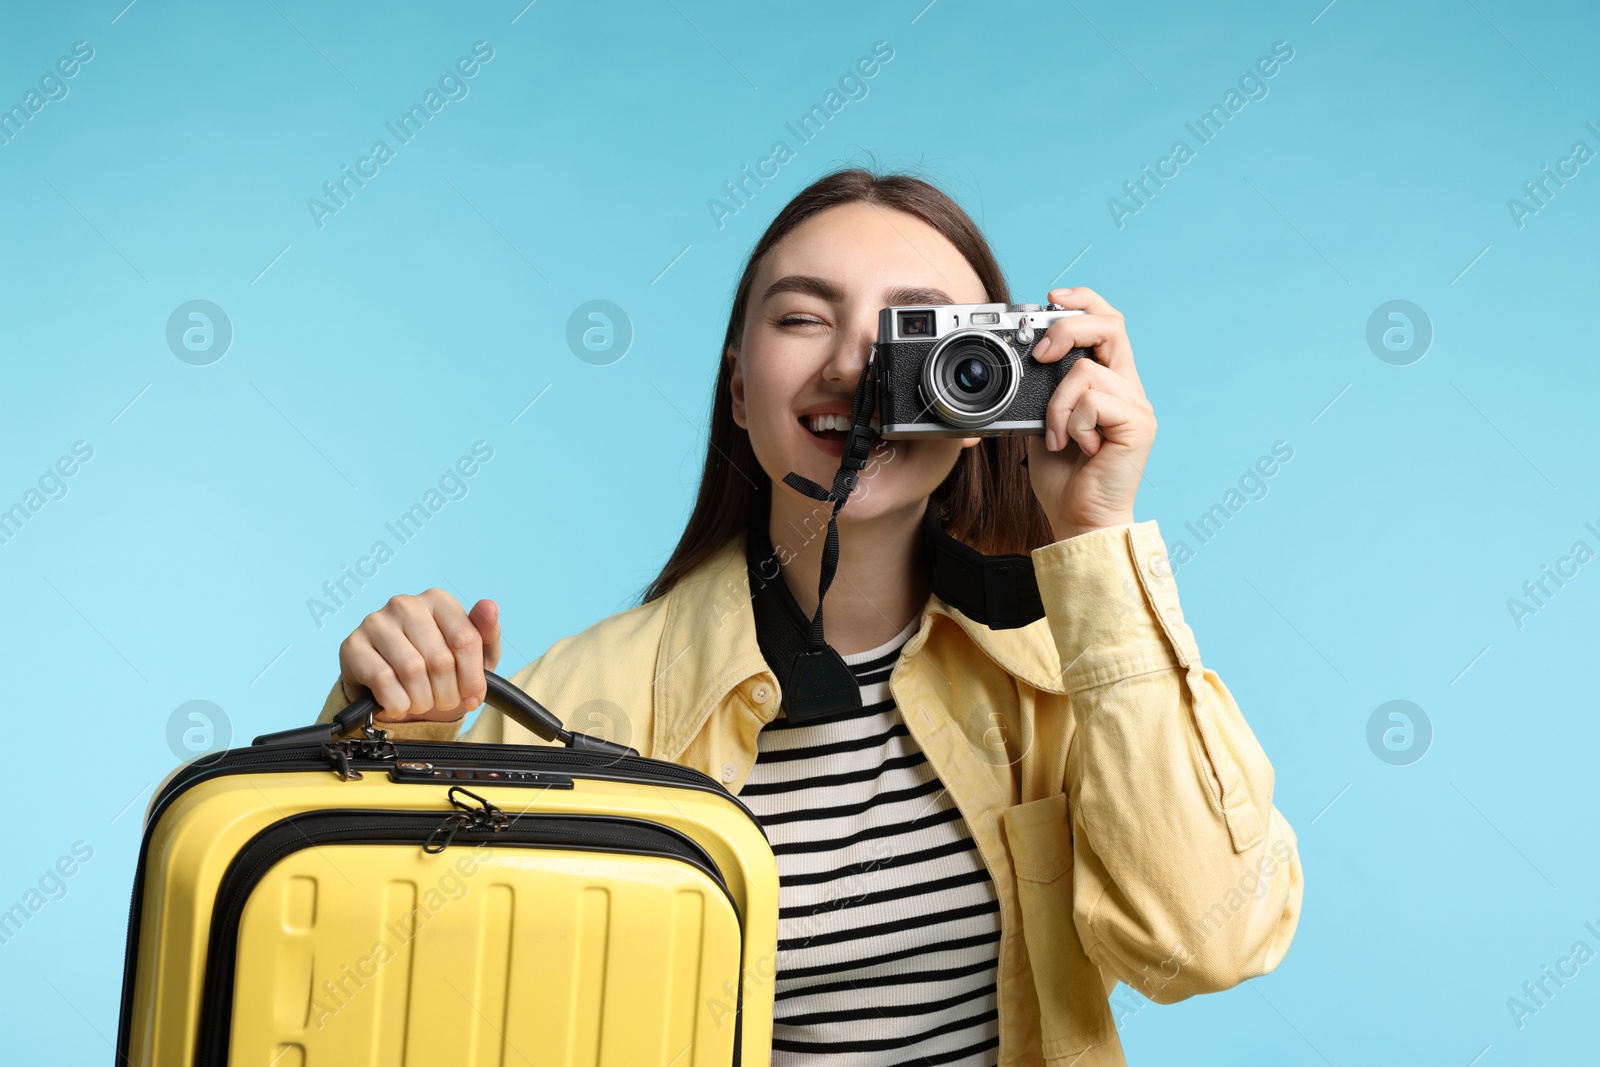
(809, 328)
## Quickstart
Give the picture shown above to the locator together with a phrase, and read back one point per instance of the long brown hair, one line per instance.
(988, 502)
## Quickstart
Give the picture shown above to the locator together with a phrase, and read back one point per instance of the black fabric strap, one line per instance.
(816, 682)
(820, 683)
(782, 629)
(780, 624)
(1001, 592)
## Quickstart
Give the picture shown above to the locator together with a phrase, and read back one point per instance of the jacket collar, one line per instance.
(709, 647)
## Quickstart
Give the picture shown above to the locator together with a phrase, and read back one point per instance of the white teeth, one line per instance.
(835, 422)
(828, 422)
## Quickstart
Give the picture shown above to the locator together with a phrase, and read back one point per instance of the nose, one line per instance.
(852, 347)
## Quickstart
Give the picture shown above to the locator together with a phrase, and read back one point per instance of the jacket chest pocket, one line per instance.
(1072, 999)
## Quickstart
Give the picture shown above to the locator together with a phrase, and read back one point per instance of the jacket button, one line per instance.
(1157, 564)
(762, 692)
(727, 772)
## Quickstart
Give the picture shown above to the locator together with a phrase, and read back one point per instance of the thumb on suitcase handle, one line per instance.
(510, 700)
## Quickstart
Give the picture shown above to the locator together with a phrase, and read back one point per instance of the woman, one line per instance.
(1014, 819)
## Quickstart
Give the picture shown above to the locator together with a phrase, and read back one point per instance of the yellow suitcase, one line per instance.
(329, 898)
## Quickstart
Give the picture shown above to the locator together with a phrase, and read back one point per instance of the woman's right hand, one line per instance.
(422, 657)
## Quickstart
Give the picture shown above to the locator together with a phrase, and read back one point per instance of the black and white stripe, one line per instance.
(888, 923)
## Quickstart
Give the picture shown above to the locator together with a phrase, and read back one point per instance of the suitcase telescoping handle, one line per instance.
(528, 712)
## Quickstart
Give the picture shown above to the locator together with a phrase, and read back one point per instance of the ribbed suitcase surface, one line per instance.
(372, 904)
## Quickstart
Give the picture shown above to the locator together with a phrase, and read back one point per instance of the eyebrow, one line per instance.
(823, 289)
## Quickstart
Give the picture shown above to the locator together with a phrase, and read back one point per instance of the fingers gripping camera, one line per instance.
(966, 370)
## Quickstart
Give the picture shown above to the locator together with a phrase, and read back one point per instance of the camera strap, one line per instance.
(999, 592)
(782, 628)
(820, 681)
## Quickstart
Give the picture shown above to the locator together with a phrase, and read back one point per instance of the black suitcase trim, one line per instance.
(312, 757)
(589, 833)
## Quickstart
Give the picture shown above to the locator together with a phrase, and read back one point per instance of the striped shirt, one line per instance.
(888, 923)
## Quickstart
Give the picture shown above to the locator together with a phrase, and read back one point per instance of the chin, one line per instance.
(898, 474)
(876, 504)
(883, 494)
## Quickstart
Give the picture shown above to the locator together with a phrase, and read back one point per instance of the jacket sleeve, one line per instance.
(1186, 879)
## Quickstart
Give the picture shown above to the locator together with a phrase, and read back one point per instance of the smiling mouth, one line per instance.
(828, 432)
(830, 427)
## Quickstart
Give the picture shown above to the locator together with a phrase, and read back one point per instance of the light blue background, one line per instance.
(429, 312)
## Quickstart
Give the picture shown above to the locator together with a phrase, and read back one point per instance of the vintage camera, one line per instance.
(966, 370)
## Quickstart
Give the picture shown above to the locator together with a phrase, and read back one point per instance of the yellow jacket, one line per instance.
(1116, 794)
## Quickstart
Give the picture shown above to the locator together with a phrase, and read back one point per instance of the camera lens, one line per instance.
(970, 378)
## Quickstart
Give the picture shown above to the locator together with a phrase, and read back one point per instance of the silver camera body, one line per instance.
(966, 370)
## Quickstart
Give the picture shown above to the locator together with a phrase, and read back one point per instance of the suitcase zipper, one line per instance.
(601, 833)
(483, 817)
(563, 760)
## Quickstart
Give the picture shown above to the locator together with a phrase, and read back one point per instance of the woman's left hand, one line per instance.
(1099, 427)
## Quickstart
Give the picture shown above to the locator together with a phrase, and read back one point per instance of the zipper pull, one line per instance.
(338, 754)
(341, 753)
(485, 816)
